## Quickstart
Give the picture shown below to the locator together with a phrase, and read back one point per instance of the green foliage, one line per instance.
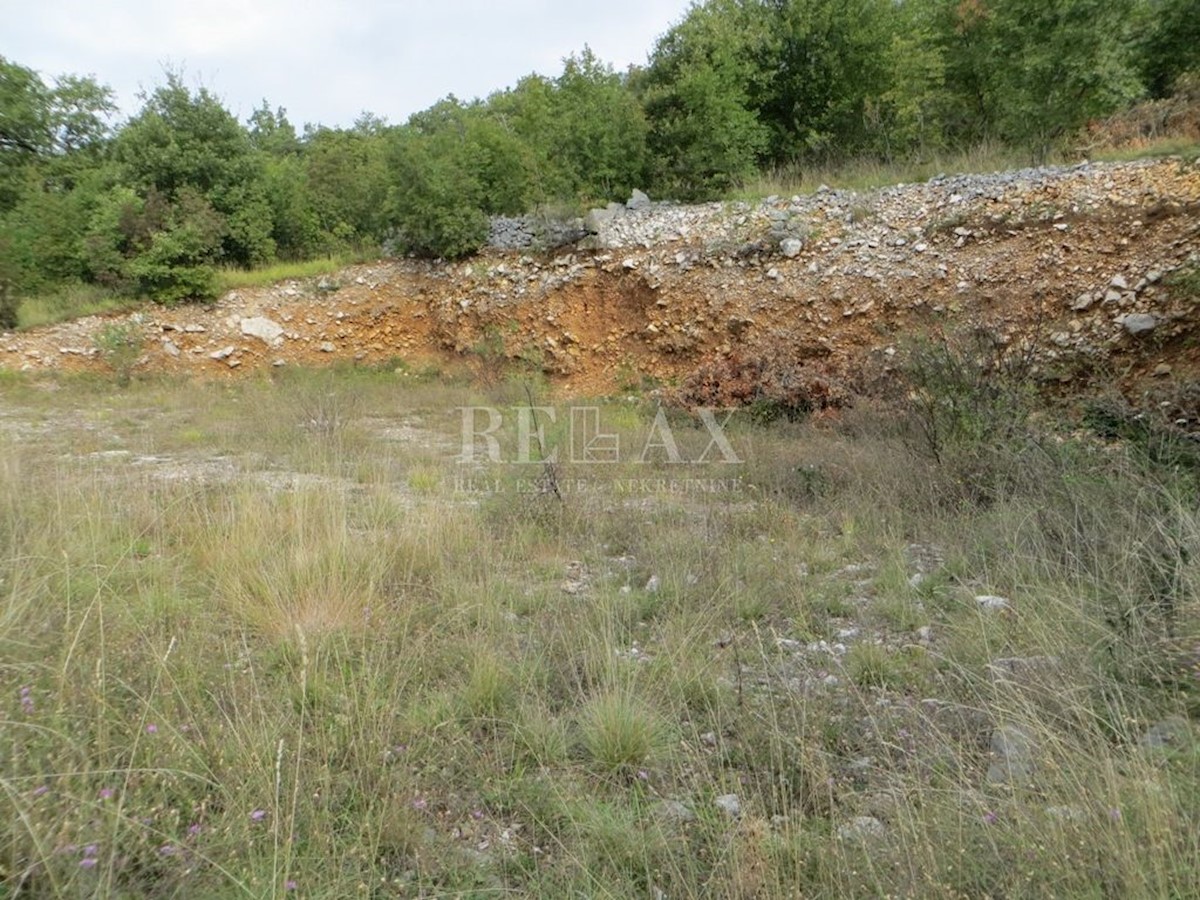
(966, 393)
(734, 88)
(1166, 42)
(183, 141)
(347, 179)
(829, 57)
(436, 198)
(583, 134)
(9, 303)
(120, 346)
(705, 137)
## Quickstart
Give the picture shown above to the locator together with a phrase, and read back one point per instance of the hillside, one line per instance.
(1085, 264)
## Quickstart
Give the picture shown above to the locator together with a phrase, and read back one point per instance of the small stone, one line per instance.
(992, 602)
(266, 330)
(327, 347)
(653, 585)
(1119, 283)
(1012, 756)
(1138, 323)
(1083, 301)
(709, 739)
(170, 348)
(1162, 370)
(223, 353)
(637, 200)
(675, 811)
(1169, 734)
(791, 247)
(730, 804)
(861, 827)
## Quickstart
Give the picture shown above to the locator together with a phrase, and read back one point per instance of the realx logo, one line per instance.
(588, 443)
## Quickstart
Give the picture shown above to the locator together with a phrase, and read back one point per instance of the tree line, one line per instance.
(151, 206)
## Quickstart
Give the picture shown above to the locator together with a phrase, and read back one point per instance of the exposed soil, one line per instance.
(1083, 263)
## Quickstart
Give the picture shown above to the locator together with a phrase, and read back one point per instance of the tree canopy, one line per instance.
(734, 87)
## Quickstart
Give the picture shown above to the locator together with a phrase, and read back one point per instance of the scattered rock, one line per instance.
(327, 347)
(1013, 751)
(266, 330)
(992, 602)
(861, 827)
(223, 353)
(675, 811)
(1169, 734)
(637, 200)
(1138, 323)
(730, 804)
(791, 247)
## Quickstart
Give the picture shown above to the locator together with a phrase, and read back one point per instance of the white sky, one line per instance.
(323, 61)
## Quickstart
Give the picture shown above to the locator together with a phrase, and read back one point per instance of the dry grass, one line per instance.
(333, 659)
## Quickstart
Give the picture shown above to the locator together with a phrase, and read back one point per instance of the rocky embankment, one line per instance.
(1082, 264)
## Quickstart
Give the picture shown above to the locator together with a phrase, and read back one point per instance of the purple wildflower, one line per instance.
(419, 803)
(990, 818)
(193, 829)
(40, 790)
(168, 850)
(26, 695)
(106, 793)
(289, 885)
(258, 815)
(1114, 814)
(151, 728)
(88, 862)
(91, 849)
(477, 814)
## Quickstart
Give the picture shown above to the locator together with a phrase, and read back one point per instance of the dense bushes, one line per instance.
(735, 87)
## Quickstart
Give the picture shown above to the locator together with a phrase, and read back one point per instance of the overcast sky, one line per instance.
(316, 58)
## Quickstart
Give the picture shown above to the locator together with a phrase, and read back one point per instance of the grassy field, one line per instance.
(274, 639)
(73, 301)
(871, 174)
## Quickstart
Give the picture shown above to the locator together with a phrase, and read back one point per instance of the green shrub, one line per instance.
(120, 346)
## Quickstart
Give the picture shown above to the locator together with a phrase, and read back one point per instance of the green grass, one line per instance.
(240, 650)
(70, 302)
(868, 174)
(237, 279)
(75, 301)
(1188, 149)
